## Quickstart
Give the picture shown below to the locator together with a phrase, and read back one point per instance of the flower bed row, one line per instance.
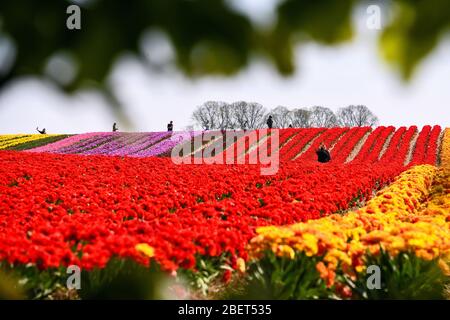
(426, 146)
(345, 145)
(11, 141)
(296, 145)
(59, 145)
(329, 137)
(119, 144)
(400, 144)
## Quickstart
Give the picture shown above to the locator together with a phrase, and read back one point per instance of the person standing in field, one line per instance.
(270, 122)
(170, 126)
(323, 155)
(43, 131)
(115, 128)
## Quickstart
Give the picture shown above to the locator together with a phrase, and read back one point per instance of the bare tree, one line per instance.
(224, 116)
(281, 117)
(256, 115)
(239, 111)
(356, 116)
(213, 115)
(301, 118)
(206, 115)
(323, 117)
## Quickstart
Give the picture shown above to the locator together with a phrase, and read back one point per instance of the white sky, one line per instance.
(328, 76)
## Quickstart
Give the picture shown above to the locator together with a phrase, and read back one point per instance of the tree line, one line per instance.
(219, 115)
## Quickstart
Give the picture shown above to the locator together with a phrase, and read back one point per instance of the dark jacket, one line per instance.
(323, 155)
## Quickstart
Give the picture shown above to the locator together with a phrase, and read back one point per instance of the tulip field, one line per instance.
(114, 202)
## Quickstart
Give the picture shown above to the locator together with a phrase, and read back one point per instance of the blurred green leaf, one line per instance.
(416, 29)
(9, 289)
(208, 36)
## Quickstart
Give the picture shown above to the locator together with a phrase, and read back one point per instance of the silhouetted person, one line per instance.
(115, 128)
(270, 122)
(323, 155)
(170, 126)
(43, 131)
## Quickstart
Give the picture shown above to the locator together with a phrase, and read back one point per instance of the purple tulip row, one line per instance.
(152, 139)
(167, 144)
(88, 144)
(129, 145)
(121, 141)
(119, 144)
(54, 147)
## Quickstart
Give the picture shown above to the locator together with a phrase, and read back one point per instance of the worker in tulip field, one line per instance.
(323, 155)
(115, 128)
(170, 126)
(270, 122)
(43, 131)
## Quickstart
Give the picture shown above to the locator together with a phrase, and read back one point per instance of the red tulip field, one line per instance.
(113, 202)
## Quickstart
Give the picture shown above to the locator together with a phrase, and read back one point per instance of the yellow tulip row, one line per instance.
(7, 137)
(410, 215)
(439, 204)
(445, 152)
(7, 141)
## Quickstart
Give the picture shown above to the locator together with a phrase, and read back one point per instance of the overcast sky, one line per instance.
(328, 76)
